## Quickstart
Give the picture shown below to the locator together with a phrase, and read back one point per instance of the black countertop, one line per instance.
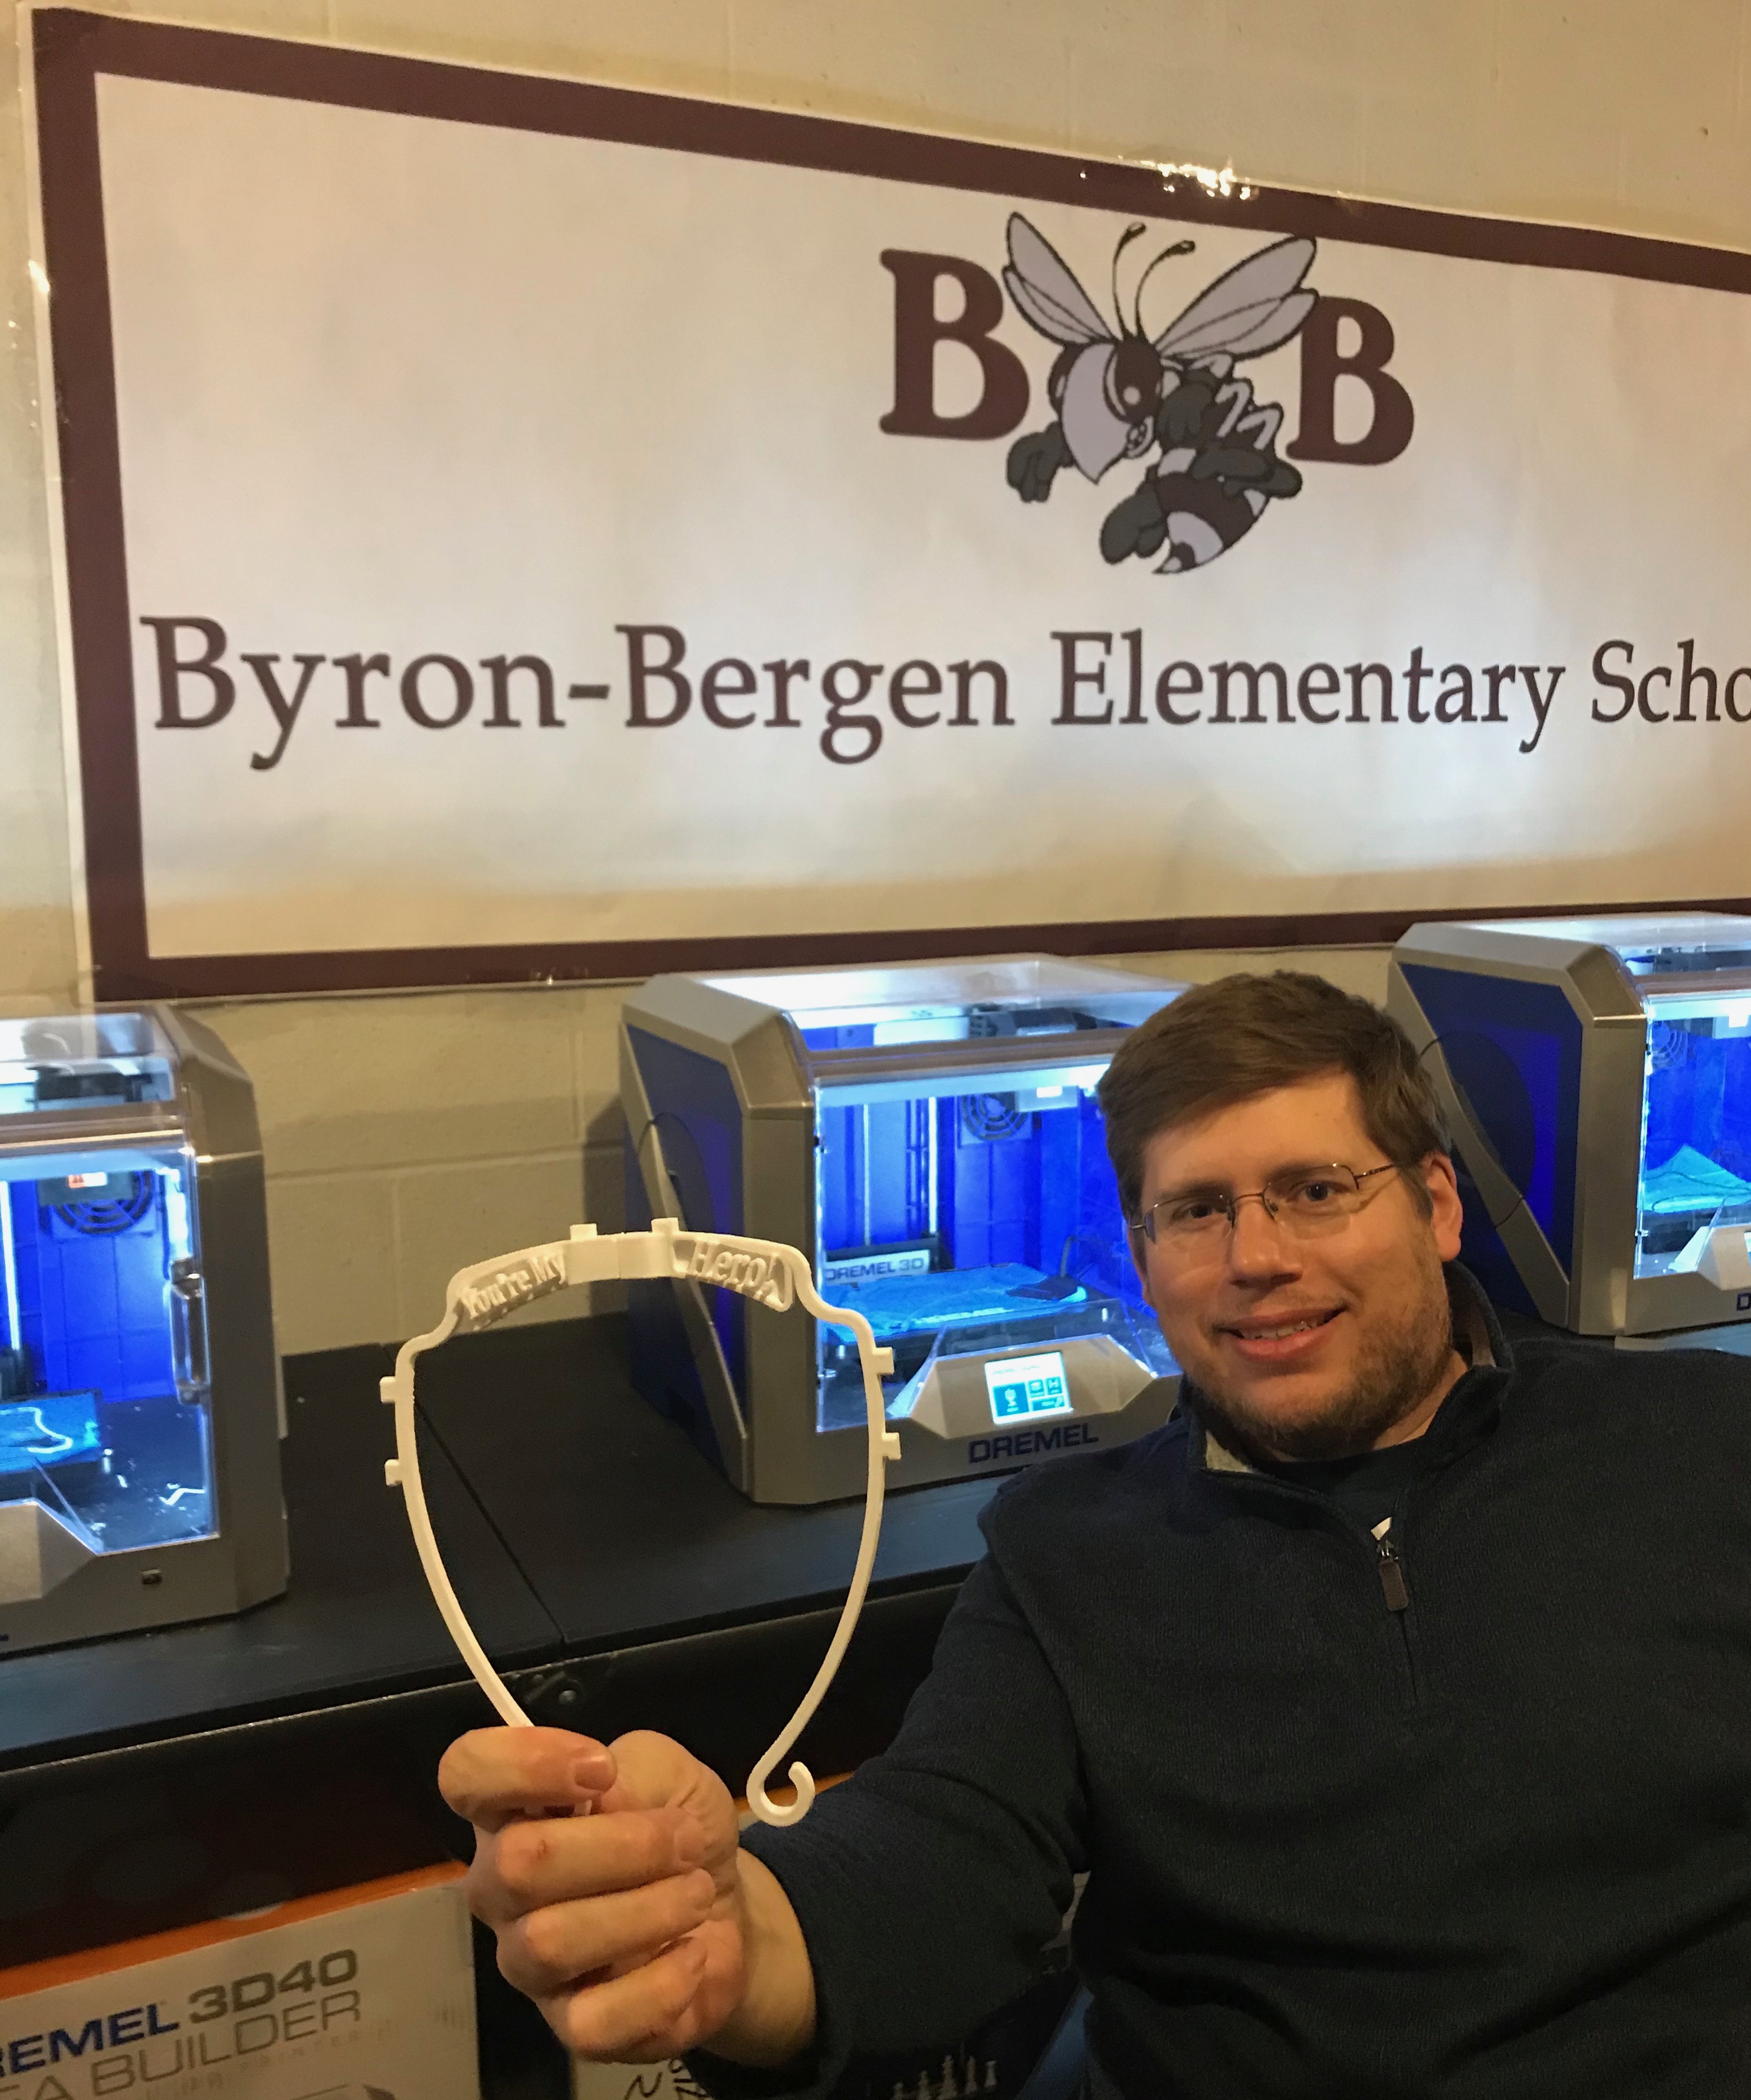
(574, 1521)
(624, 1529)
(155, 1780)
(580, 1530)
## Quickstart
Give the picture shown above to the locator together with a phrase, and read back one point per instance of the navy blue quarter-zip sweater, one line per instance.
(1466, 1818)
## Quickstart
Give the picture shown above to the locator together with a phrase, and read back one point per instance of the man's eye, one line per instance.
(1313, 1195)
(1194, 1210)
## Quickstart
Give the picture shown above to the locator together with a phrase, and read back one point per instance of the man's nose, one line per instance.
(1257, 1244)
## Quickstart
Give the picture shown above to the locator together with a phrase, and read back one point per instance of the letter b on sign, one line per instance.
(917, 330)
(1327, 359)
(221, 692)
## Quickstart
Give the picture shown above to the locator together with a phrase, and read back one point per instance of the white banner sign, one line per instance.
(516, 525)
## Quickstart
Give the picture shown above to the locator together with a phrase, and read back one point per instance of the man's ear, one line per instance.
(1448, 1215)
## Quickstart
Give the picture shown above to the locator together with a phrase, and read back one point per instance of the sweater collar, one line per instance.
(1477, 1336)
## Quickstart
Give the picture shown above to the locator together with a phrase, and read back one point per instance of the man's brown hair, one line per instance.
(1223, 1043)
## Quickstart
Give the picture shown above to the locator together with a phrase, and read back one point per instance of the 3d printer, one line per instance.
(140, 1411)
(931, 1133)
(1597, 1075)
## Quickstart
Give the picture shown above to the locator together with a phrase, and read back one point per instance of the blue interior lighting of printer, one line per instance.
(1696, 1127)
(987, 1181)
(92, 1264)
(49, 1431)
(1690, 1182)
(1013, 1199)
(895, 1305)
(89, 1399)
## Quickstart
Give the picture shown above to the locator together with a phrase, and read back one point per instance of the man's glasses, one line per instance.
(1304, 1200)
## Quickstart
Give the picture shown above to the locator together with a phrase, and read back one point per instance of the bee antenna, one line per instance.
(1179, 248)
(1125, 240)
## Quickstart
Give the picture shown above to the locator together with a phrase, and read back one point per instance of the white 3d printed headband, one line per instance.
(769, 1274)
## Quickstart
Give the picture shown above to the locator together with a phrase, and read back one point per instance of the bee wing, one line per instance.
(1045, 290)
(1254, 308)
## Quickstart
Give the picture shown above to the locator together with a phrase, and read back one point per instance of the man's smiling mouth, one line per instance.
(1261, 1331)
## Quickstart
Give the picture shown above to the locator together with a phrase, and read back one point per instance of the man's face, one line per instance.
(1313, 1347)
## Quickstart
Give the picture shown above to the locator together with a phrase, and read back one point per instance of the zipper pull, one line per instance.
(1392, 1572)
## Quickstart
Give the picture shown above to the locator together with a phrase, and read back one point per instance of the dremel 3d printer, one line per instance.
(930, 1134)
(139, 1396)
(1597, 1075)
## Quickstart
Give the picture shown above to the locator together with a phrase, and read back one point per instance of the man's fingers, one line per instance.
(601, 1871)
(652, 1769)
(552, 1947)
(640, 2017)
(555, 1860)
(495, 1774)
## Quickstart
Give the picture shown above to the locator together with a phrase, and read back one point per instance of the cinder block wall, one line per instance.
(408, 1134)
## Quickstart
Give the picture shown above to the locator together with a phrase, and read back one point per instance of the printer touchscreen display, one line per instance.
(1022, 1386)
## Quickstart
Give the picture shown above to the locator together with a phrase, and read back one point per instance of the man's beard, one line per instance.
(1397, 1370)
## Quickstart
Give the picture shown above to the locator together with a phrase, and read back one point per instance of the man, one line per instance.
(1396, 1694)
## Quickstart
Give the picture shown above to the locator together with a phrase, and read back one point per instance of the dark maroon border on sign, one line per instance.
(72, 48)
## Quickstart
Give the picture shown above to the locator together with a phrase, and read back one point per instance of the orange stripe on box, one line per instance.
(214, 1932)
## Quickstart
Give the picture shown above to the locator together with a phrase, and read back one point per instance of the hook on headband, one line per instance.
(773, 1275)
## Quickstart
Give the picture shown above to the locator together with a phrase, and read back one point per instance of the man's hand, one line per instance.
(622, 1904)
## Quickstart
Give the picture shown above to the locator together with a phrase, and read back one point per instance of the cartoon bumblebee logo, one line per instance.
(1120, 395)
